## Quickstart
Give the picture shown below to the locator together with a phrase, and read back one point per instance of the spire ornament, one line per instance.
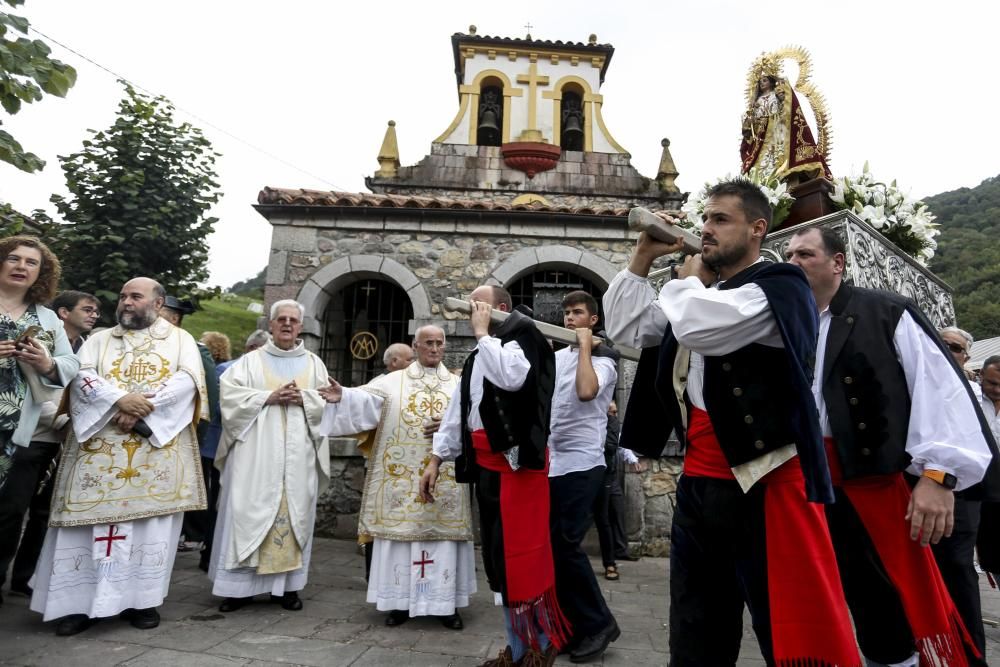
(388, 155)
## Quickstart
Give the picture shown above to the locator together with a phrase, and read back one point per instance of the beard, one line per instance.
(137, 319)
(723, 257)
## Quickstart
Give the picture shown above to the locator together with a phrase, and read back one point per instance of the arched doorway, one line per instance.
(543, 290)
(359, 322)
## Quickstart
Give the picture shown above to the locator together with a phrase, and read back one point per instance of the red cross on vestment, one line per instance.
(88, 383)
(112, 536)
(423, 562)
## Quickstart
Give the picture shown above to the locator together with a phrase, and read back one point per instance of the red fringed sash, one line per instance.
(881, 502)
(810, 625)
(527, 549)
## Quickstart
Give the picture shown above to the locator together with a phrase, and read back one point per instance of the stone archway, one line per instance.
(316, 292)
(587, 264)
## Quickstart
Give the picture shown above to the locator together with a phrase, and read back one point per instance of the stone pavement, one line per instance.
(337, 627)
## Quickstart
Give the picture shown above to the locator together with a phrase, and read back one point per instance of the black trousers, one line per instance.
(879, 619)
(213, 488)
(199, 526)
(718, 563)
(491, 530)
(28, 470)
(955, 558)
(571, 498)
(609, 516)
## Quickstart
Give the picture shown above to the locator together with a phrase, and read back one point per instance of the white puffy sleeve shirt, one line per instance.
(503, 365)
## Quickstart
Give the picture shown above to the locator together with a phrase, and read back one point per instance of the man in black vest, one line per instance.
(496, 429)
(732, 375)
(890, 399)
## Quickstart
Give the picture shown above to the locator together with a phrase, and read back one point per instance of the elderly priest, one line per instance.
(423, 563)
(274, 465)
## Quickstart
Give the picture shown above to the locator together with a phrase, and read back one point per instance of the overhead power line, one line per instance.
(201, 120)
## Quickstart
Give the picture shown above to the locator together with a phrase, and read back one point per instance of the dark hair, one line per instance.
(992, 360)
(752, 199)
(502, 296)
(832, 241)
(577, 297)
(772, 79)
(49, 272)
(68, 299)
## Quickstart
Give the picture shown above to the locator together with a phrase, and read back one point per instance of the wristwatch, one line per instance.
(947, 480)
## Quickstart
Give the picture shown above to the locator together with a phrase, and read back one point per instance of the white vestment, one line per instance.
(274, 465)
(423, 559)
(118, 501)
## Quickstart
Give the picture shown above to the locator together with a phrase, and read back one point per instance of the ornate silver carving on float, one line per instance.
(874, 261)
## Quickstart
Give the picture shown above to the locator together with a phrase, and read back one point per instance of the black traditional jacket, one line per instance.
(758, 398)
(865, 389)
(512, 418)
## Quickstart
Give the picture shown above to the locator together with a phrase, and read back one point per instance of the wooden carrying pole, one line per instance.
(550, 331)
(642, 220)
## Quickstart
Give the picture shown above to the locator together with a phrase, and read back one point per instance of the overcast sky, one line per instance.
(910, 87)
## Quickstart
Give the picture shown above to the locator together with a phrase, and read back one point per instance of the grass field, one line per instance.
(228, 315)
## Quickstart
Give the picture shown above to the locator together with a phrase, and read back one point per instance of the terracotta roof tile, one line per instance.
(293, 197)
(520, 41)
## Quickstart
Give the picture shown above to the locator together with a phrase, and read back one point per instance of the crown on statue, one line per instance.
(766, 65)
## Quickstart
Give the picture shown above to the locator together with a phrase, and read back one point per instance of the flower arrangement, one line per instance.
(775, 190)
(905, 222)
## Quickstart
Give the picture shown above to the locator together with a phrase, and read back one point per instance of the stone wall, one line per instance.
(478, 172)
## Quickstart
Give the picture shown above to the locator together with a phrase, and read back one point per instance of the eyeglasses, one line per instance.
(956, 348)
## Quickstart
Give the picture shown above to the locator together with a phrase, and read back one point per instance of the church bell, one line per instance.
(572, 134)
(489, 131)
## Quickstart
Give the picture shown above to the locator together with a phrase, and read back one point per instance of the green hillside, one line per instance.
(227, 314)
(968, 255)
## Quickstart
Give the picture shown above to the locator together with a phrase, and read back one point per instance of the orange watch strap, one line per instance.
(936, 475)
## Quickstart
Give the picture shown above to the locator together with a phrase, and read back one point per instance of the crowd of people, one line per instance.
(839, 470)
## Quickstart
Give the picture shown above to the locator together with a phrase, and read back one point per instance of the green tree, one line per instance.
(26, 71)
(140, 194)
(968, 254)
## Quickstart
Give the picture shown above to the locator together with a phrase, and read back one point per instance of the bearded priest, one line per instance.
(274, 465)
(130, 468)
(423, 562)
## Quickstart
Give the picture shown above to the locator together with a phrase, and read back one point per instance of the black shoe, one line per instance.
(142, 619)
(73, 624)
(232, 604)
(452, 622)
(21, 587)
(397, 617)
(626, 557)
(593, 646)
(289, 601)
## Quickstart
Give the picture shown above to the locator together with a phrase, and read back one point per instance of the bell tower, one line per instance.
(527, 87)
(529, 124)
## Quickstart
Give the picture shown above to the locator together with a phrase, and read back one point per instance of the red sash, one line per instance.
(703, 456)
(527, 549)
(881, 502)
(810, 625)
